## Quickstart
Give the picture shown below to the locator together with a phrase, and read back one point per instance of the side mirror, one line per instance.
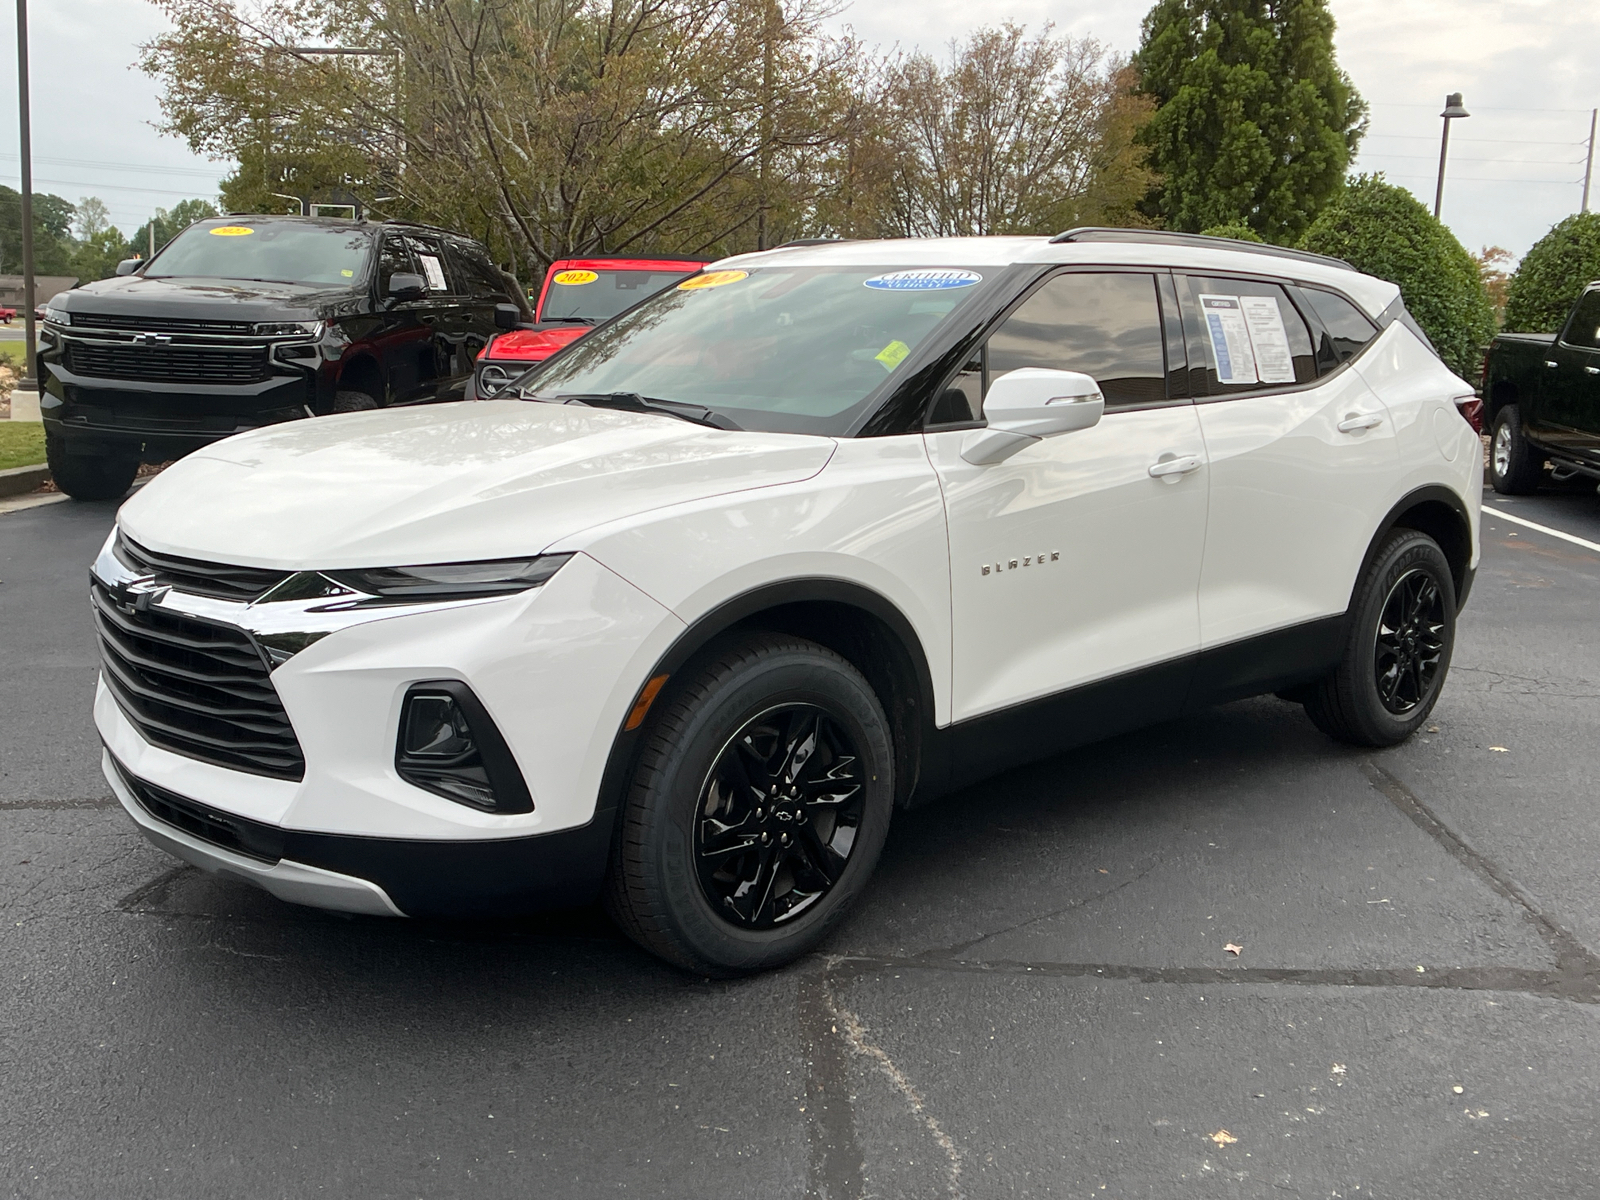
(1031, 403)
(403, 286)
(128, 266)
(507, 316)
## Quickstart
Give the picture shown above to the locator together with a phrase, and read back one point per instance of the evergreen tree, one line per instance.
(1553, 274)
(1255, 122)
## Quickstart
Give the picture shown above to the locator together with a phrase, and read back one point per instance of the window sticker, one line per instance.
(1230, 338)
(434, 273)
(712, 279)
(232, 231)
(574, 278)
(923, 281)
(347, 273)
(892, 355)
(1274, 362)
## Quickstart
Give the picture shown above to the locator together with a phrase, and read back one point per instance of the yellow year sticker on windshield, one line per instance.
(232, 231)
(711, 279)
(892, 355)
(574, 278)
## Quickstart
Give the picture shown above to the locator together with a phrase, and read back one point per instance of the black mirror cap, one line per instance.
(403, 286)
(507, 316)
(128, 266)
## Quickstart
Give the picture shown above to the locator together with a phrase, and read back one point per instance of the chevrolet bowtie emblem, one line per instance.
(152, 339)
(137, 595)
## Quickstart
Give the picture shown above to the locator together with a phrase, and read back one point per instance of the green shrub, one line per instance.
(1553, 273)
(1238, 231)
(1385, 231)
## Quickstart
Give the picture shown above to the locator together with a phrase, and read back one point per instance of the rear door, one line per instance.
(1302, 458)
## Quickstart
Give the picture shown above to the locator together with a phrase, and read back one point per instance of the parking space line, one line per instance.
(1555, 533)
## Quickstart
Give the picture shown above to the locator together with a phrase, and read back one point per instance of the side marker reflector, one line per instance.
(641, 706)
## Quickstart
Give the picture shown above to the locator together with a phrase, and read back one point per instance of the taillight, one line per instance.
(1471, 410)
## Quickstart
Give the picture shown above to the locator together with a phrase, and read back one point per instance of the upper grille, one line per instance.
(253, 839)
(195, 688)
(160, 324)
(168, 364)
(221, 580)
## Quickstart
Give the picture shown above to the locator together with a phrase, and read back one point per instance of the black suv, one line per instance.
(245, 321)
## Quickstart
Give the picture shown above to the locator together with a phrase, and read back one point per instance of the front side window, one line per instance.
(1255, 339)
(785, 349)
(265, 250)
(1345, 328)
(1584, 327)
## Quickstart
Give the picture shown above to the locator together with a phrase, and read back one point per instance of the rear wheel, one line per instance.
(1402, 632)
(756, 814)
(1515, 467)
(351, 401)
(90, 476)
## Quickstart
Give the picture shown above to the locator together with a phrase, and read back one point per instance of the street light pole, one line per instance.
(1453, 110)
(1588, 165)
(28, 374)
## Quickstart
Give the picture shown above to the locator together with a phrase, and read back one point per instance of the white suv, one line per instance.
(814, 533)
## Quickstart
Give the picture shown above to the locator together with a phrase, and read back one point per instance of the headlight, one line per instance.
(453, 581)
(57, 316)
(289, 329)
(491, 379)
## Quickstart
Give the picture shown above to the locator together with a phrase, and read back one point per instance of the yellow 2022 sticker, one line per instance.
(232, 231)
(712, 279)
(892, 355)
(574, 278)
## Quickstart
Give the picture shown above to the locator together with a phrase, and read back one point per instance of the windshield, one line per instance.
(598, 295)
(783, 349)
(257, 248)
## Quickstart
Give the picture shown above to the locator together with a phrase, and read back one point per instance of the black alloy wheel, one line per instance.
(778, 816)
(1410, 642)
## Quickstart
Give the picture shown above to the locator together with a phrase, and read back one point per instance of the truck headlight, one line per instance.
(57, 316)
(289, 329)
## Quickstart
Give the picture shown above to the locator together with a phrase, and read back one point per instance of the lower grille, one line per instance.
(168, 364)
(195, 688)
(221, 580)
(253, 839)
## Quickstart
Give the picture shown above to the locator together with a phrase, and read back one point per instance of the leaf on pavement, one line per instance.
(1233, 948)
(1499, 750)
(1223, 1138)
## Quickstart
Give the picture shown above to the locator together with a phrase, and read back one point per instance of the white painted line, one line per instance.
(1555, 533)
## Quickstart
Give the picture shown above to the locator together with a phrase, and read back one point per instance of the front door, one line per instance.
(1070, 562)
(1571, 398)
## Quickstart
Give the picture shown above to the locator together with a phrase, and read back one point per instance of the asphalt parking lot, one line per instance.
(1034, 999)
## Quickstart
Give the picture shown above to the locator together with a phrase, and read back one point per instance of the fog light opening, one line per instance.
(449, 745)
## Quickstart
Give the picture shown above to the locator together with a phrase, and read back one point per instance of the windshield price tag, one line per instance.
(711, 279)
(574, 278)
(232, 231)
(923, 281)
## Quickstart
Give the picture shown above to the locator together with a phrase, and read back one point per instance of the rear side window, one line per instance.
(1345, 328)
(1584, 327)
(1254, 339)
(1106, 326)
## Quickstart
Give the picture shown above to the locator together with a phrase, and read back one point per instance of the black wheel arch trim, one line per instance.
(1460, 533)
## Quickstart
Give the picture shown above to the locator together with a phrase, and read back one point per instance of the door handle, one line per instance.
(1175, 466)
(1551, 363)
(1591, 370)
(1356, 422)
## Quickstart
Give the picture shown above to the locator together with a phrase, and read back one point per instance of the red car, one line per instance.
(578, 294)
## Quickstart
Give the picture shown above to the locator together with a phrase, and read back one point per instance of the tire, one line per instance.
(353, 402)
(1515, 467)
(726, 898)
(89, 476)
(1397, 653)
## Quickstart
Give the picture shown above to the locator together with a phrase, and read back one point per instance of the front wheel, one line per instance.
(1397, 652)
(1515, 467)
(761, 800)
(89, 476)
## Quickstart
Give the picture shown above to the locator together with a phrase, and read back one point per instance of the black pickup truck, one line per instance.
(1542, 396)
(245, 321)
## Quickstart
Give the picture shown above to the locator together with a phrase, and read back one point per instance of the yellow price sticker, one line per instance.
(892, 355)
(574, 278)
(712, 279)
(232, 231)
(348, 274)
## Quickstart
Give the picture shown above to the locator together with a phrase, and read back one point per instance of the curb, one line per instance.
(22, 479)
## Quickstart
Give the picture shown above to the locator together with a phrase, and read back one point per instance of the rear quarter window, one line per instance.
(1345, 332)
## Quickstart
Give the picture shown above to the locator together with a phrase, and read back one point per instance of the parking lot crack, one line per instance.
(836, 1165)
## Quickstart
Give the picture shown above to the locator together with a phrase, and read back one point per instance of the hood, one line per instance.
(206, 299)
(444, 483)
(531, 345)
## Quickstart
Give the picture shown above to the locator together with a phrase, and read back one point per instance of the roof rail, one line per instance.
(814, 242)
(1165, 237)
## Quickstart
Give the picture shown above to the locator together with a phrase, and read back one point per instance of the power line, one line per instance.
(1539, 162)
(113, 187)
(116, 166)
(1431, 137)
(1483, 109)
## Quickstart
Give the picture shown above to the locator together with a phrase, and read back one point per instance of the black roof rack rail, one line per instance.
(1165, 237)
(815, 242)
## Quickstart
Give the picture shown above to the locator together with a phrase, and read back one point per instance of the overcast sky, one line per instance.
(1529, 69)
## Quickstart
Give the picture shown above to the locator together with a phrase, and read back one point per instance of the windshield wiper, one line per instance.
(633, 402)
(567, 320)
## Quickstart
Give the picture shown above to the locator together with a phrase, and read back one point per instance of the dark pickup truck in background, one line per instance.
(245, 321)
(1541, 393)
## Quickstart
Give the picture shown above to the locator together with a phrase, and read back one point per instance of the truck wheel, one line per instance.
(89, 476)
(1515, 468)
(352, 402)
(757, 811)
(1397, 652)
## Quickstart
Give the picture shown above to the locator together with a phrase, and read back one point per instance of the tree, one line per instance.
(1385, 231)
(1255, 123)
(1553, 273)
(92, 217)
(52, 233)
(169, 224)
(1238, 230)
(1491, 262)
(97, 256)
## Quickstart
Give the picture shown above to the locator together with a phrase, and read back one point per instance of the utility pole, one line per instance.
(1453, 110)
(1588, 166)
(29, 377)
